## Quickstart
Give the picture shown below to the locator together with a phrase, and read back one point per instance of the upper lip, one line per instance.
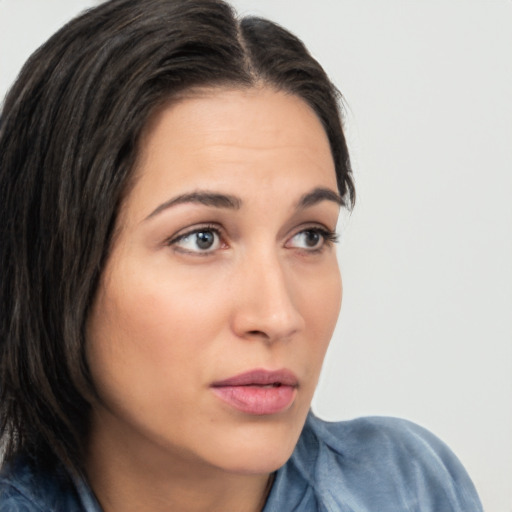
(260, 377)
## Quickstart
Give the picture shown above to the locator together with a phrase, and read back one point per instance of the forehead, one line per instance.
(229, 138)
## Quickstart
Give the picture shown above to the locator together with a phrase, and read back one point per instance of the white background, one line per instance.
(425, 331)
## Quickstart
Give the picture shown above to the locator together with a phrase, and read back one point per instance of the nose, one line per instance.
(267, 301)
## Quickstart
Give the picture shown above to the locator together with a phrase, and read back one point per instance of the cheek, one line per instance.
(150, 330)
(323, 301)
(321, 307)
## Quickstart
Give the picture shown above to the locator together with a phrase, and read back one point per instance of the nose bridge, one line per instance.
(267, 305)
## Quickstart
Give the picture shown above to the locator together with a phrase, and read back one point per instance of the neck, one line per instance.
(148, 479)
(127, 493)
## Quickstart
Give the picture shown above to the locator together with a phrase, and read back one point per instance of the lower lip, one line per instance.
(257, 400)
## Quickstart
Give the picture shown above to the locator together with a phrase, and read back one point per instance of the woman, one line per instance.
(172, 180)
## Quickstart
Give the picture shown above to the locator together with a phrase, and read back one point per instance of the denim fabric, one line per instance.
(24, 488)
(371, 465)
(363, 465)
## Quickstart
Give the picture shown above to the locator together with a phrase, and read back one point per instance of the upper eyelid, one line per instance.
(329, 235)
(311, 226)
(194, 229)
(174, 241)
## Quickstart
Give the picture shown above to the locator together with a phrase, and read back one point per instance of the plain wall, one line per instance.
(425, 331)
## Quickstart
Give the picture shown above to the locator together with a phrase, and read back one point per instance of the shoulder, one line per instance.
(388, 463)
(13, 500)
(384, 438)
(24, 488)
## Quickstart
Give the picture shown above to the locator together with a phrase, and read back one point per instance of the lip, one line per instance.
(260, 377)
(258, 392)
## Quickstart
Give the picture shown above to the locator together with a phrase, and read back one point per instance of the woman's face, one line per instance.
(222, 290)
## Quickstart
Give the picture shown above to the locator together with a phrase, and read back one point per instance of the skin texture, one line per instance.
(170, 318)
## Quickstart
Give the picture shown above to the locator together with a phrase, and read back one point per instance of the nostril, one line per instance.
(258, 333)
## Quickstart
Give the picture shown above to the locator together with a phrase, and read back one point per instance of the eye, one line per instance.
(203, 240)
(313, 239)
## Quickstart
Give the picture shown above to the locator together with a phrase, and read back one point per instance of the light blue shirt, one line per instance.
(363, 465)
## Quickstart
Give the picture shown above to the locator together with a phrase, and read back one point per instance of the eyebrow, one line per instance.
(231, 202)
(206, 198)
(318, 195)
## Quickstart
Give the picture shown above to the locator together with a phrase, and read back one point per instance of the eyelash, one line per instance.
(329, 238)
(207, 227)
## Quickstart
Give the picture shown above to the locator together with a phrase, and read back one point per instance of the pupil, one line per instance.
(312, 238)
(205, 239)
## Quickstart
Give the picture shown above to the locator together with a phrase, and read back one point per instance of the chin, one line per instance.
(257, 461)
(257, 448)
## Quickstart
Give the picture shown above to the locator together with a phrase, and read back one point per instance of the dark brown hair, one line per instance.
(69, 130)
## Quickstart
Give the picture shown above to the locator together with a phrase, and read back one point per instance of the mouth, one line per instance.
(258, 392)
